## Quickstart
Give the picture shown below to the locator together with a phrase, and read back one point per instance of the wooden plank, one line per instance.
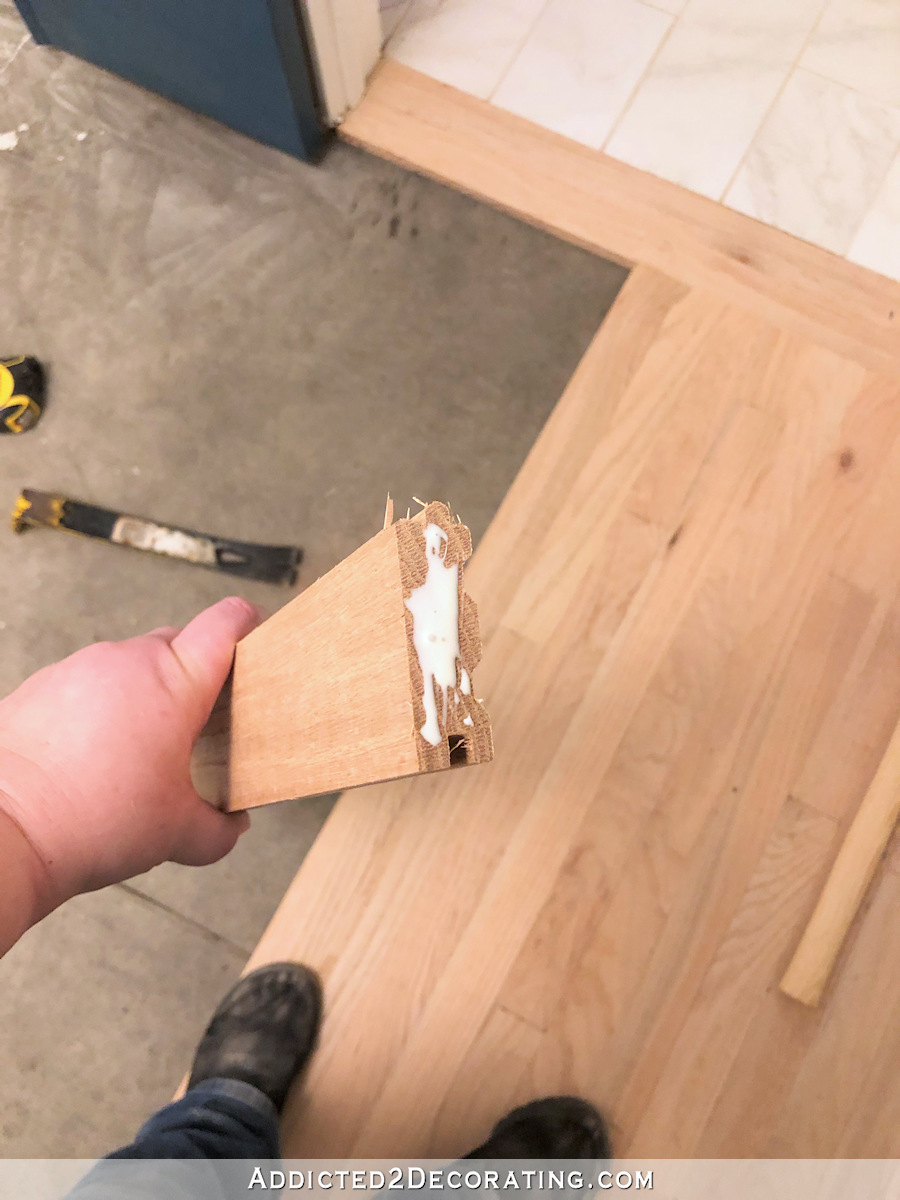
(859, 725)
(566, 918)
(338, 689)
(705, 863)
(646, 305)
(872, 1117)
(761, 1075)
(838, 1069)
(734, 986)
(500, 1057)
(623, 213)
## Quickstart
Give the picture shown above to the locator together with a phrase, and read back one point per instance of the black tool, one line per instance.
(250, 560)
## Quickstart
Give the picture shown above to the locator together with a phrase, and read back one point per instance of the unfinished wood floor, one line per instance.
(691, 617)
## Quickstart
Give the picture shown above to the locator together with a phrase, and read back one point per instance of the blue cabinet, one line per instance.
(246, 63)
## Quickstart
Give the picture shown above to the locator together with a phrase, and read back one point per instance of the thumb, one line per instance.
(207, 834)
(205, 647)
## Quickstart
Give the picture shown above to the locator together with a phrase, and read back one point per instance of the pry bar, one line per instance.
(249, 560)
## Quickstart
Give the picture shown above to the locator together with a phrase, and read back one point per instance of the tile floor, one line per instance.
(786, 111)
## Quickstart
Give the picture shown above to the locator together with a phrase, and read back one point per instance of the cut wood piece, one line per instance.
(365, 676)
(862, 849)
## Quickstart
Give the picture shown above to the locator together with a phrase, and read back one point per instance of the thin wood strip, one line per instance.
(853, 869)
(623, 213)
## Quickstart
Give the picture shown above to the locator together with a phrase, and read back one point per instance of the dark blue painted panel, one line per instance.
(243, 62)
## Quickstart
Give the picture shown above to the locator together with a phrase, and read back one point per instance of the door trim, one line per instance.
(345, 36)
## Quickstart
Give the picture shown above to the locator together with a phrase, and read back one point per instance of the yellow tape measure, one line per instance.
(21, 394)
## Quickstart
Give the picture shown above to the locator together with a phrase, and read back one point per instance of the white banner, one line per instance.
(665, 1179)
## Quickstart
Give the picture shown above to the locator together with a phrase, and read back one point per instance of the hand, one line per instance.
(95, 755)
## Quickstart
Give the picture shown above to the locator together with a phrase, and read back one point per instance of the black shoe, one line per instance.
(557, 1127)
(264, 1030)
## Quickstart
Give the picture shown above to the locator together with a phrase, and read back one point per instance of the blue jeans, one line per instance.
(220, 1119)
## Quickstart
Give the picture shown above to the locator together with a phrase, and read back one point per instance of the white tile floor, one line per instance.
(788, 110)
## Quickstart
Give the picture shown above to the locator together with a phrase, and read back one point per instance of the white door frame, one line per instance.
(346, 42)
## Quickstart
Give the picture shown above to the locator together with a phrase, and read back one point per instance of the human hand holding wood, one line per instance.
(95, 782)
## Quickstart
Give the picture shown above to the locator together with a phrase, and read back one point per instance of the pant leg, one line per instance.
(220, 1118)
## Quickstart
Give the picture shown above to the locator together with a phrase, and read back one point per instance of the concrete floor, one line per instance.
(250, 345)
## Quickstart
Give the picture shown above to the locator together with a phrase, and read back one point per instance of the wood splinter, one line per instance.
(363, 677)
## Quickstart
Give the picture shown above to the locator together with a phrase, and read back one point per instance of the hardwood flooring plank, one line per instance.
(746, 1110)
(733, 838)
(845, 756)
(500, 1058)
(672, 389)
(839, 1064)
(589, 404)
(870, 1125)
(756, 944)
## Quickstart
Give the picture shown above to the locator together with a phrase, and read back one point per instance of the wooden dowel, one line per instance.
(863, 847)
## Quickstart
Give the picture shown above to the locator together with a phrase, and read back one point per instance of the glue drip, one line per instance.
(435, 610)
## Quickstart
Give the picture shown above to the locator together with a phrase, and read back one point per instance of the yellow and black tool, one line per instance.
(22, 389)
(250, 560)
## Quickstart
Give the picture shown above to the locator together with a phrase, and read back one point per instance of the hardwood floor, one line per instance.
(690, 608)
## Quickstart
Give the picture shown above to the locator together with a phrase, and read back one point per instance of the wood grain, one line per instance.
(677, 602)
(839, 1074)
(620, 212)
(860, 853)
(733, 988)
(329, 693)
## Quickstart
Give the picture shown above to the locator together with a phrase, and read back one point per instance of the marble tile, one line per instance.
(580, 63)
(670, 6)
(877, 241)
(466, 43)
(709, 87)
(818, 161)
(857, 43)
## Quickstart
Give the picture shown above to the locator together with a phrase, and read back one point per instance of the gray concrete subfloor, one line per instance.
(247, 344)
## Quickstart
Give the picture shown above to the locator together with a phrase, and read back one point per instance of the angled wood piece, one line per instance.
(330, 692)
